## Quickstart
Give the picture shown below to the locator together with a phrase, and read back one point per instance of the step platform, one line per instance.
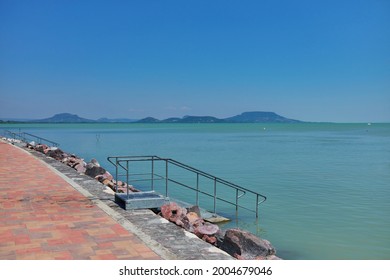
(140, 200)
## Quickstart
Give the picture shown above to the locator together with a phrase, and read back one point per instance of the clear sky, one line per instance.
(309, 60)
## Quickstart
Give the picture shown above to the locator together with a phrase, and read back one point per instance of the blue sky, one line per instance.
(308, 60)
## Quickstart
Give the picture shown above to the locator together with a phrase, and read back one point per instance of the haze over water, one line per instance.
(328, 185)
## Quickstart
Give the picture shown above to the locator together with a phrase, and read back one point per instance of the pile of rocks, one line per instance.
(236, 242)
(91, 169)
(190, 220)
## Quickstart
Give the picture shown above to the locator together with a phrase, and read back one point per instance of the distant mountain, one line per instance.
(193, 119)
(247, 117)
(260, 117)
(149, 120)
(106, 120)
(185, 119)
(65, 118)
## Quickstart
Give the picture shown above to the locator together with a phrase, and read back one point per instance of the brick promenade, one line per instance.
(43, 217)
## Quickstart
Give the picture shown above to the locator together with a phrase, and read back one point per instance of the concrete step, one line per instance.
(140, 200)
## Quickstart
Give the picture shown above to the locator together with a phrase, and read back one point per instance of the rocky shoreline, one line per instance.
(236, 242)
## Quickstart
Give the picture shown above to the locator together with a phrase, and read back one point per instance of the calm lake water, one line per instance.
(327, 185)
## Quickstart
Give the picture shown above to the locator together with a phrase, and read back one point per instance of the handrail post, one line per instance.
(127, 178)
(166, 178)
(197, 190)
(236, 200)
(257, 206)
(153, 173)
(116, 174)
(215, 195)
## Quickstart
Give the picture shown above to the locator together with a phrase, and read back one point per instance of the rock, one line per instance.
(246, 245)
(166, 211)
(80, 168)
(55, 153)
(41, 148)
(108, 183)
(93, 171)
(107, 175)
(192, 217)
(197, 223)
(206, 229)
(173, 212)
(186, 224)
(219, 236)
(195, 209)
(72, 162)
(210, 239)
(99, 178)
(95, 162)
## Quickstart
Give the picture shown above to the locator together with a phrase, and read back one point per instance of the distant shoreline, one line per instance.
(246, 117)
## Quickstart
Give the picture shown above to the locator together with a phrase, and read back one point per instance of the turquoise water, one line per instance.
(328, 185)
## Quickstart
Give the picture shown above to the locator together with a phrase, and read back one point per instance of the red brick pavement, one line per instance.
(43, 217)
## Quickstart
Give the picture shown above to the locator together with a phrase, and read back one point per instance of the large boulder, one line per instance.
(93, 170)
(245, 245)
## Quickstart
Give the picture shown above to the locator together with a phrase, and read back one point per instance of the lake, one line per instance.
(327, 185)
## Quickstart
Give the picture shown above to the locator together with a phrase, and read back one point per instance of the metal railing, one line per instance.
(122, 163)
(39, 140)
(11, 135)
(28, 137)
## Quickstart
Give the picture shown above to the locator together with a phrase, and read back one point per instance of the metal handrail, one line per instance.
(12, 134)
(23, 136)
(39, 139)
(118, 161)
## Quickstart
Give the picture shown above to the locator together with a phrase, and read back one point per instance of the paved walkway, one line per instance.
(44, 217)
